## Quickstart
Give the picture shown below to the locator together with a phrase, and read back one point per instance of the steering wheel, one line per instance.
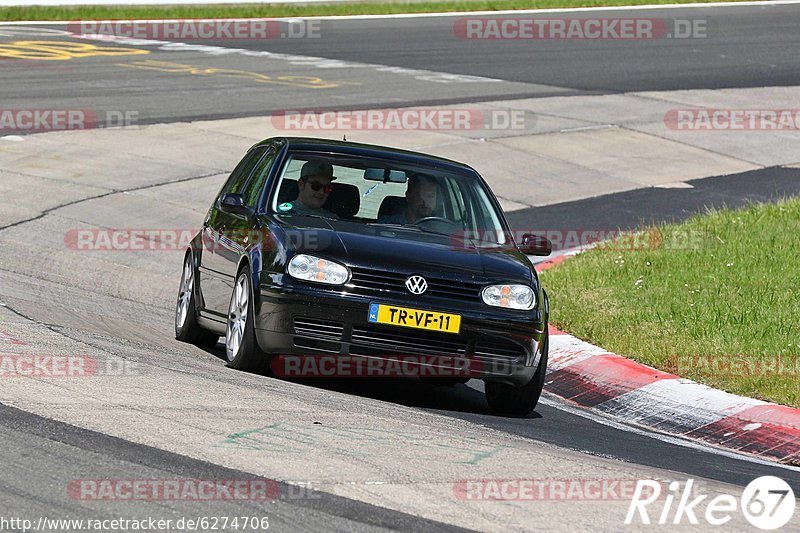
(435, 219)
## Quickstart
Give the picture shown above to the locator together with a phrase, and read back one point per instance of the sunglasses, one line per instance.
(315, 186)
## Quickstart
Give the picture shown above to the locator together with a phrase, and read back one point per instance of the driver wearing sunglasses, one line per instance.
(314, 187)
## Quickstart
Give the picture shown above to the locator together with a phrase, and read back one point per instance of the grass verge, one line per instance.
(715, 299)
(294, 10)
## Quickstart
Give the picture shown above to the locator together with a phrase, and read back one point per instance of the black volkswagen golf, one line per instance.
(317, 248)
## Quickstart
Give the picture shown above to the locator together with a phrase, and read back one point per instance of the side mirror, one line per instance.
(233, 204)
(536, 245)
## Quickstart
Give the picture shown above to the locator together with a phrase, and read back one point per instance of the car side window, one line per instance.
(487, 218)
(238, 178)
(454, 203)
(254, 188)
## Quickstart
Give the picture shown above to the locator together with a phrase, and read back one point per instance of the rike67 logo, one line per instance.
(767, 503)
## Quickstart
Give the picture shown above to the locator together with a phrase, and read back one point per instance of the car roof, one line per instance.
(313, 144)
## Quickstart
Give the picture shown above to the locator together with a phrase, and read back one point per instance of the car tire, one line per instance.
(519, 401)
(186, 327)
(241, 347)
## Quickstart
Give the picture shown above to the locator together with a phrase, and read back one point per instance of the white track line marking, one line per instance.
(487, 13)
(293, 59)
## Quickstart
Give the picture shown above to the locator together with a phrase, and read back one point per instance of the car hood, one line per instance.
(398, 249)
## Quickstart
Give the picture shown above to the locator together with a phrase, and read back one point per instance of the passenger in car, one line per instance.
(314, 186)
(421, 197)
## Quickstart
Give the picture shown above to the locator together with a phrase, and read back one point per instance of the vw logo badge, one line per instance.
(416, 285)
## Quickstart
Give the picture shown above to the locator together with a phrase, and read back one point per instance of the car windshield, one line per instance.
(381, 192)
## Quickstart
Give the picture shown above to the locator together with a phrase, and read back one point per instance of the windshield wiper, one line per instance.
(295, 214)
(407, 226)
(429, 230)
(393, 225)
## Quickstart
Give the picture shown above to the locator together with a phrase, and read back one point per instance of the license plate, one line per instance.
(414, 318)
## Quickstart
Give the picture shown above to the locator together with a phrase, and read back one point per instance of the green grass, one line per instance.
(293, 10)
(715, 299)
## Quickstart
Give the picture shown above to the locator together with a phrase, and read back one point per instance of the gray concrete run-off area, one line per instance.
(394, 451)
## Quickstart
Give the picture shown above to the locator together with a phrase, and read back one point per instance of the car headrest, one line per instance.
(344, 200)
(289, 191)
(391, 205)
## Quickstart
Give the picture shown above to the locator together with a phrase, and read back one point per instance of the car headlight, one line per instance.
(310, 268)
(509, 296)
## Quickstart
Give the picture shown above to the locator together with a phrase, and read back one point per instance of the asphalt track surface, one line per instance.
(54, 446)
(742, 47)
(746, 47)
(631, 209)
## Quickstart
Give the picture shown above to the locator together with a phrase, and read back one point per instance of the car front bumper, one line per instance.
(300, 320)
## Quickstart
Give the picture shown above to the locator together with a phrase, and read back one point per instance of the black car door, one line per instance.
(241, 232)
(223, 234)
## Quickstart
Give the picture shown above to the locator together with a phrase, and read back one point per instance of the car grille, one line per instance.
(321, 329)
(395, 342)
(499, 349)
(371, 340)
(375, 283)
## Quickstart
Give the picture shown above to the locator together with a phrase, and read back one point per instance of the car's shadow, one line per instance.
(461, 400)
